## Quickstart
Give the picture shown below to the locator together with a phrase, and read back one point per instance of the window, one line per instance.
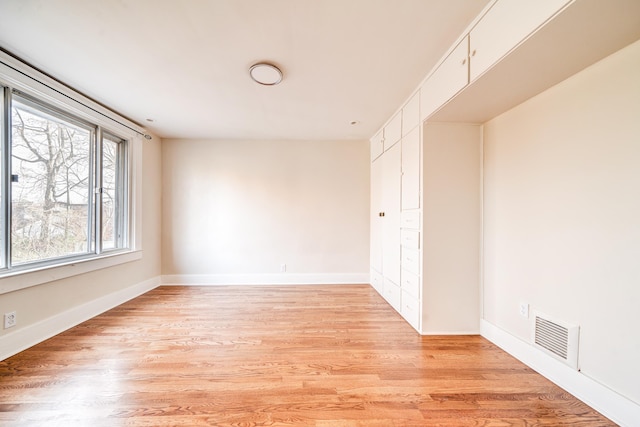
(113, 192)
(65, 186)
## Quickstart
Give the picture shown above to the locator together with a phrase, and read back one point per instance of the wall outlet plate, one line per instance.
(10, 320)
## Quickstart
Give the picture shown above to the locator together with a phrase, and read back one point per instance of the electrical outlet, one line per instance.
(10, 320)
(283, 268)
(524, 310)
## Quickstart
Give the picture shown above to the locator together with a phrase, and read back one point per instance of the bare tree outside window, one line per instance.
(50, 198)
(110, 196)
(66, 182)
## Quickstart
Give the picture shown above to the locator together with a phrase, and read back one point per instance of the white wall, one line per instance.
(234, 211)
(62, 301)
(562, 215)
(451, 228)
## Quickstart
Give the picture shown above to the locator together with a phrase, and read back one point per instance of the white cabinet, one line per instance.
(429, 271)
(410, 283)
(377, 209)
(391, 219)
(410, 219)
(411, 114)
(377, 145)
(411, 170)
(393, 294)
(411, 260)
(410, 309)
(377, 281)
(385, 216)
(503, 27)
(410, 239)
(425, 262)
(448, 79)
(393, 131)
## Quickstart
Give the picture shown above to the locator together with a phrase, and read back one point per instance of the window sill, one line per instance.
(14, 281)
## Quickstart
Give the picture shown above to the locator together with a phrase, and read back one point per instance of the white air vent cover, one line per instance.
(558, 339)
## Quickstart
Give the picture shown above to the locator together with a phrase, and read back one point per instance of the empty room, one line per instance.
(319, 213)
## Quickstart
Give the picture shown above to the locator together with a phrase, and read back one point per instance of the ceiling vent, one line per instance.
(557, 339)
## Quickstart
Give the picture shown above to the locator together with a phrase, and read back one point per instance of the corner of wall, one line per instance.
(31, 335)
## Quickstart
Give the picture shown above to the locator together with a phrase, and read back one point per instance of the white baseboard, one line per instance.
(31, 335)
(436, 333)
(604, 400)
(267, 279)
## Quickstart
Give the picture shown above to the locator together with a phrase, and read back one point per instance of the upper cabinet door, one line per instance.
(450, 77)
(377, 145)
(503, 27)
(411, 114)
(393, 131)
(411, 170)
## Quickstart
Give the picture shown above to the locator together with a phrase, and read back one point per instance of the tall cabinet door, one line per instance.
(391, 182)
(377, 220)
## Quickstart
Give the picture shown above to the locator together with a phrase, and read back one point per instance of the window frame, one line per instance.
(49, 93)
(122, 186)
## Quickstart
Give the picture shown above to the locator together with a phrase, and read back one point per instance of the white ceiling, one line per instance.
(185, 63)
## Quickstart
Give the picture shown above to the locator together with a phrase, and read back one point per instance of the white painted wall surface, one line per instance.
(240, 209)
(451, 228)
(50, 300)
(562, 215)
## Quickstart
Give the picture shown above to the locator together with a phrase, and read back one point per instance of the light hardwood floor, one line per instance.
(273, 356)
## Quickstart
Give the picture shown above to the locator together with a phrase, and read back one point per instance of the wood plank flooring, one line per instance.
(273, 356)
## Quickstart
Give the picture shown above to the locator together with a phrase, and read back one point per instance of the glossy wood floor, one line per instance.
(272, 356)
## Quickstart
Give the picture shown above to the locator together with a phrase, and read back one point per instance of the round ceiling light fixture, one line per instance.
(265, 74)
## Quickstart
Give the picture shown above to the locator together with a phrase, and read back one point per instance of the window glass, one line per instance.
(112, 192)
(50, 184)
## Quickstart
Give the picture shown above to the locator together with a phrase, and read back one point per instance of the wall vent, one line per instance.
(557, 339)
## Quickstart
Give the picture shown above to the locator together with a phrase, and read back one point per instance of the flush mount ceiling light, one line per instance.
(265, 74)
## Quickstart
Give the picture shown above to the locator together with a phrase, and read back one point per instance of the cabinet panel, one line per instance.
(411, 170)
(377, 145)
(410, 283)
(410, 239)
(410, 310)
(391, 218)
(410, 219)
(503, 27)
(393, 295)
(411, 114)
(450, 77)
(377, 281)
(393, 131)
(376, 220)
(411, 260)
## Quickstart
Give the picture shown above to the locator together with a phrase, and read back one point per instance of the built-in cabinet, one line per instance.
(377, 145)
(502, 27)
(410, 169)
(396, 199)
(425, 256)
(385, 223)
(448, 79)
(426, 181)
